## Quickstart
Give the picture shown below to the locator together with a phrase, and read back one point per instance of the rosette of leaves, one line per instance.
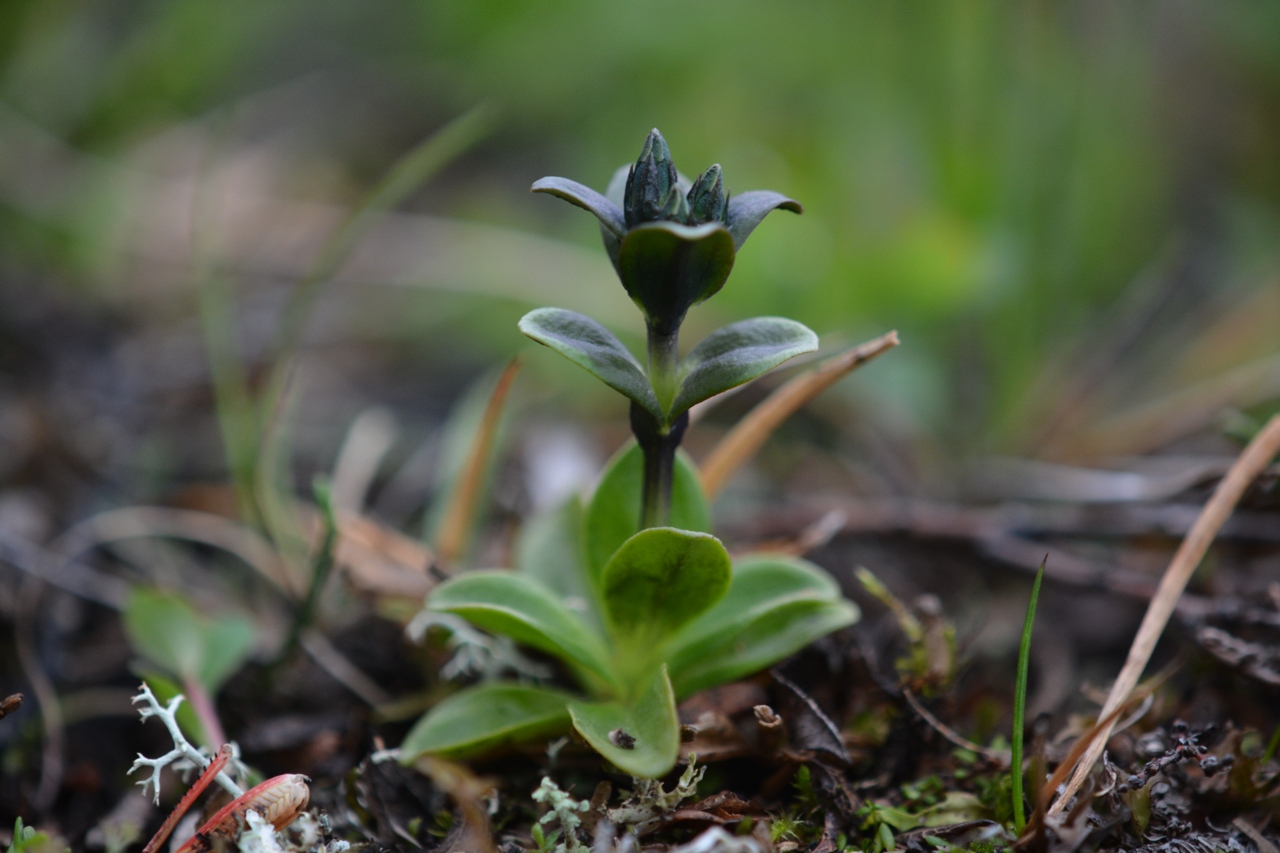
(640, 617)
(673, 243)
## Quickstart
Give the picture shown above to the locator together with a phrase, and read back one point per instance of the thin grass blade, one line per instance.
(1020, 703)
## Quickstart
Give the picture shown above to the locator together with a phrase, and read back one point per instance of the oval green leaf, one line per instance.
(777, 635)
(656, 583)
(667, 268)
(481, 719)
(524, 610)
(775, 606)
(169, 632)
(593, 347)
(609, 214)
(738, 353)
(648, 726)
(613, 515)
(749, 209)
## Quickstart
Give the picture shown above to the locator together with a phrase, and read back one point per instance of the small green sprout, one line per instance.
(27, 840)
(186, 651)
(564, 810)
(631, 591)
(1020, 705)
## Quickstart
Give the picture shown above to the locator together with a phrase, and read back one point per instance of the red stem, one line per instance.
(202, 705)
(215, 767)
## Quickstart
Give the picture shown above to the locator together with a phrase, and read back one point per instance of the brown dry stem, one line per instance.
(1255, 458)
(459, 515)
(745, 439)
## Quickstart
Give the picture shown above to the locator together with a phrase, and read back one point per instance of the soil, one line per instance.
(865, 740)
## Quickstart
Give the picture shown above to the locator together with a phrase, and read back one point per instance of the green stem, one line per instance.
(664, 359)
(321, 567)
(1020, 705)
(659, 447)
(659, 441)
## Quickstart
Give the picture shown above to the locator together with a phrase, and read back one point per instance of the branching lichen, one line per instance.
(183, 756)
(476, 653)
(649, 803)
(564, 810)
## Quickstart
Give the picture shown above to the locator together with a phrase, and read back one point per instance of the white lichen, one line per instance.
(183, 757)
(258, 835)
(650, 803)
(716, 840)
(564, 810)
(476, 653)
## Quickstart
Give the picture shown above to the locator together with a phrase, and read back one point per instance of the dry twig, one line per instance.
(745, 439)
(459, 516)
(1256, 457)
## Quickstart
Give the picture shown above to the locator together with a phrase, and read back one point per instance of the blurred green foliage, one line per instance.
(988, 177)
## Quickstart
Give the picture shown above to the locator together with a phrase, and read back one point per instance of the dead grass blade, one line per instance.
(745, 439)
(469, 792)
(459, 514)
(1036, 824)
(1255, 458)
(381, 560)
(204, 528)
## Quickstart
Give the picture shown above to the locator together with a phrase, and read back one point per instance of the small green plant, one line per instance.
(27, 840)
(563, 809)
(649, 608)
(1020, 706)
(184, 651)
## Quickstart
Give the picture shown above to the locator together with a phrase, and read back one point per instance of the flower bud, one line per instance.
(675, 207)
(649, 182)
(707, 200)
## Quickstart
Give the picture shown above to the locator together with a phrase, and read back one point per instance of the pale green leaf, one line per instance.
(227, 644)
(747, 210)
(656, 583)
(594, 348)
(548, 549)
(648, 726)
(735, 354)
(167, 631)
(775, 635)
(483, 718)
(774, 607)
(506, 603)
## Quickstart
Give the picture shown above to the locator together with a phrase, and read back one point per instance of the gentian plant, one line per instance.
(631, 591)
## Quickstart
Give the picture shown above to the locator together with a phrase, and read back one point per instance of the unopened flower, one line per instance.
(672, 242)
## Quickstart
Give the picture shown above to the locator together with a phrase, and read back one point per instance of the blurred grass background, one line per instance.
(1069, 211)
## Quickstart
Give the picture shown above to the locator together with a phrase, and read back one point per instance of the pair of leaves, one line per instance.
(728, 357)
(168, 632)
(183, 650)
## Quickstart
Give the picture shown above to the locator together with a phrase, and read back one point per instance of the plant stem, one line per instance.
(202, 703)
(1020, 705)
(659, 447)
(664, 358)
(321, 567)
(659, 441)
